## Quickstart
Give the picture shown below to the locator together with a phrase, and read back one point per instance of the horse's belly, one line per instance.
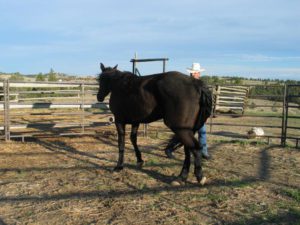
(136, 114)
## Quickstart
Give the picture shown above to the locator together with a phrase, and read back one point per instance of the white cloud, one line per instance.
(261, 58)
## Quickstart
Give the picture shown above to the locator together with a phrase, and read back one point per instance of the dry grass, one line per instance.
(70, 181)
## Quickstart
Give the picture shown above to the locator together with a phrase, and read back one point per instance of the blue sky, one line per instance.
(229, 37)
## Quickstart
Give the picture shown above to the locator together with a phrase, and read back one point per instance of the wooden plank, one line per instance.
(76, 91)
(231, 102)
(47, 84)
(104, 106)
(46, 98)
(235, 88)
(54, 125)
(232, 92)
(228, 107)
(232, 97)
(11, 94)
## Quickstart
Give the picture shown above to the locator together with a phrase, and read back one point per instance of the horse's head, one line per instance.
(105, 80)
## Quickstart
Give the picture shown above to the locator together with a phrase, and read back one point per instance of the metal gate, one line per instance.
(290, 122)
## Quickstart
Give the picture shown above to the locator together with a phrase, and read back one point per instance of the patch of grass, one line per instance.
(216, 197)
(242, 142)
(290, 145)
(21, 174)
(142, 186)
(296, 213)
(260, 112)
(187, 209)
(220, 141)
(253, 208)
(29, 213)
(159, 135)
(152, 162)
(291, 217)
(258, 143)
(240, 183)
(292, 193)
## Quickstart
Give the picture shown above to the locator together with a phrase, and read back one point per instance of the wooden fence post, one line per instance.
(82, 107)
(217, 97)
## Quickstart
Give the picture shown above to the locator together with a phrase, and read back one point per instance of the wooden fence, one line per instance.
(230, 98)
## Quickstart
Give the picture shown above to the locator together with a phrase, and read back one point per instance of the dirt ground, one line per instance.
(70, 181)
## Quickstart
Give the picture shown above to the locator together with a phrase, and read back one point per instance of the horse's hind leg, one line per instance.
(197, 163)
(133, 138)
(190, 145)
(121, 143)
(186, 165)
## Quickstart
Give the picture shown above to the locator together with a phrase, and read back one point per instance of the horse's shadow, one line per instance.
(85, 156)
(152, 173)
(73, 153)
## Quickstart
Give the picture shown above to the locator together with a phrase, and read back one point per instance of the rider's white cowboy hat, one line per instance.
(195, 68)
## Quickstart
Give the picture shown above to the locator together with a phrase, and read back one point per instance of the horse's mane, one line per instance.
(116, 72)
(129, 73)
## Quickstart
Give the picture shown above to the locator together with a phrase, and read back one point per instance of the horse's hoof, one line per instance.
(140, 164)
(117, 168)
(202, 181)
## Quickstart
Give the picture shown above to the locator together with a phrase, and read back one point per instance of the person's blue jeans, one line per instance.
(202, 139)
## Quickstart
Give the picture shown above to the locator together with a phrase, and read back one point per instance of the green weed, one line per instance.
(292, 193)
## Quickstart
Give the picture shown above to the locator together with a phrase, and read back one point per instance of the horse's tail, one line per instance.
(205, 104)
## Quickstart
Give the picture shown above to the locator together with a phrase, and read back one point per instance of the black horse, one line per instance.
(183, 103)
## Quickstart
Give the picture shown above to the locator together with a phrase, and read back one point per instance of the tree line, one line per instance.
(50, 76)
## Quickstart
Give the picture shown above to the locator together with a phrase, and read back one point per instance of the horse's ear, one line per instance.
(102, 67)
(116, 67)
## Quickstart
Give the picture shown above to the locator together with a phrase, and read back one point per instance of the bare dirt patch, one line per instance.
(70, 181)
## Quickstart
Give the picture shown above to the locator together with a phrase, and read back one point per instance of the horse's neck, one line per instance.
(122, 81)
(123, 75)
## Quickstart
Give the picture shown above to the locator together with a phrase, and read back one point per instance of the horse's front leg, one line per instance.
(133, 138)
(121, 144)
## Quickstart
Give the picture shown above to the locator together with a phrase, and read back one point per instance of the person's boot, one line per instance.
(169, 153)
(205, 154)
